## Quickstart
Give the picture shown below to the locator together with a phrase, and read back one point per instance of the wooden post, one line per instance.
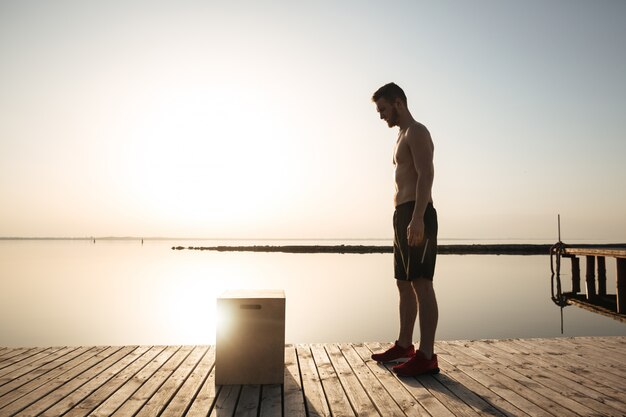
(601, 275)
(590, 277)
(575, 275)
(621, 285)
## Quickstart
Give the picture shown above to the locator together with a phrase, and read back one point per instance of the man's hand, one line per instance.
(415, 232)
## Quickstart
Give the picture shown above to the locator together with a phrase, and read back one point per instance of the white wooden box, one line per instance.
(250, 340)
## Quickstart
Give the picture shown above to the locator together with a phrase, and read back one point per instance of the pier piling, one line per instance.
(591, 277)
(621, 285)
(601, 276)
(575, 274)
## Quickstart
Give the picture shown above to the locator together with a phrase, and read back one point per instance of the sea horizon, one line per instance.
(337, 240)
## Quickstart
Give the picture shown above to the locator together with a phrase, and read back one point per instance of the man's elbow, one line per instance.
(426, 175)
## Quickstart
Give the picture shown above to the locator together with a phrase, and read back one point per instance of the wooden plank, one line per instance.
(614, 252)
(249, 400)
(585, 354)
(39, 386)
(513, 377)
(548, 398)
(459, 356)
(338, 402)
(612, 346)
(536, 373)
(399, 396)
(67, 374)
(316, 404)
(22, 375)
(600, 348)
(32, 392)
(449, 352)
(465, 394)
(544, 397)
(355, 392)
(617, 342)
(293, 395)
(503, 387)
(496, 405)
(190, 389)
(567, 384)
(157, 401)
(204, 401)
(471, 355)
(10, 356)
(143, 395)
(132, 384)
(88, 396)
(500, 404)
(507, 391)
(472, 399)
(16, 362)
(271, 401)
(72, 383)
(577, 370)
(453, 403)
(573, 363)
(487, 349)
(379, 396)
(226, 401)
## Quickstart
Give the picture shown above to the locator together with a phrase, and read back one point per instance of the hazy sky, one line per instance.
(254, 119)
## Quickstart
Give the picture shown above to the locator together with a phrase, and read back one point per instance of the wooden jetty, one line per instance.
(580, 376)
(596, 298)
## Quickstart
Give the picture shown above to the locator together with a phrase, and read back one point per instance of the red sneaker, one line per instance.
(417, 365)
(394, 353)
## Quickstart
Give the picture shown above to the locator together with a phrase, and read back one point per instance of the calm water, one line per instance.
(121, 292)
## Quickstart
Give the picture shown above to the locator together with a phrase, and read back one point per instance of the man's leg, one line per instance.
(408, 312)
(403, 348)
(428, 315)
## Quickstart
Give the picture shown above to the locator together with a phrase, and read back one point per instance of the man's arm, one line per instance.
(420, 143)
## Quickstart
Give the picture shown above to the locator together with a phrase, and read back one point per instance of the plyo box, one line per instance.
(250, 339)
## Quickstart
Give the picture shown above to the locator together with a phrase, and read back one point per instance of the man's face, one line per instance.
(387, 111)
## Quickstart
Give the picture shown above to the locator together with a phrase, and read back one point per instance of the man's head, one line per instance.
(389, 99)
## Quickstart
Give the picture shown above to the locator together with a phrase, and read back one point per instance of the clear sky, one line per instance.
(253, 118)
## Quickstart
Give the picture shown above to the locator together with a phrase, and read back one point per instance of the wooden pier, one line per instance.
(596, 298)
(516, 377)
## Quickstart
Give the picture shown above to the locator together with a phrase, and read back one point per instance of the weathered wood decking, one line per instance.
(536, 377)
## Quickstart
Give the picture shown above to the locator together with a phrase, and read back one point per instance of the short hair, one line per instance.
(389, 92)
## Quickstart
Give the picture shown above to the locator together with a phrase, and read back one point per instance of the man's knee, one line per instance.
(405, 287)
(422, 286)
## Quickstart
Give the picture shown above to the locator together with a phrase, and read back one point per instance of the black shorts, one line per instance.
(412, 262)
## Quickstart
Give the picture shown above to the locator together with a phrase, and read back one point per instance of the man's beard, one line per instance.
(393, 118)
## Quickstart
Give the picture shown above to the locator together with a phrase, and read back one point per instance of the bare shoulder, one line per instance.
(418, 135)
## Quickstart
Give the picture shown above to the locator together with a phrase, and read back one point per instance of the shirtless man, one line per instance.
(415, 235)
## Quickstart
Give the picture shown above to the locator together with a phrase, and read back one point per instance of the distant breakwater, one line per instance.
(476, 249)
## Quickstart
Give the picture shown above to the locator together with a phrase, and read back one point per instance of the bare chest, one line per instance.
(402, 153)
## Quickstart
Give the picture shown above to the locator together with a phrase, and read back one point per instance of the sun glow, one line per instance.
(203, 158)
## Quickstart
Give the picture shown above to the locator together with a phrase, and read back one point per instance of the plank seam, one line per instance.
(201, 384)
(173, 394)
(354, 410)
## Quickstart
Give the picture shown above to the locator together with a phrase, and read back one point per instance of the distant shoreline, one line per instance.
(442, 248)
(473, 249)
